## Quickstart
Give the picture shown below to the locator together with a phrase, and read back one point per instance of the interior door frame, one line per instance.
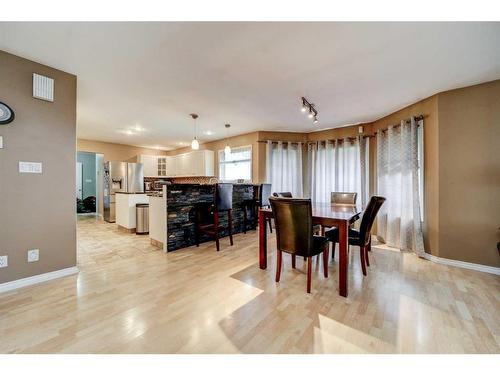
(79, 171)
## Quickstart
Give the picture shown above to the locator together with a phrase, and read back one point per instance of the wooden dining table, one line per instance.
(326, 215)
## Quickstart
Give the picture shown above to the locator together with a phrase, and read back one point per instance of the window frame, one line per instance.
(219, 162)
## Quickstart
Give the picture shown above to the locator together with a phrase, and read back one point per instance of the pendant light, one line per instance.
(195, 145)
(227, 149)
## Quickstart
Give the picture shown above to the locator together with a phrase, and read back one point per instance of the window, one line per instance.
(284, 167)
(342, 165)
(236, 165)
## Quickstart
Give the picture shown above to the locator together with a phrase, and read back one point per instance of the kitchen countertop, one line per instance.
(126, 192)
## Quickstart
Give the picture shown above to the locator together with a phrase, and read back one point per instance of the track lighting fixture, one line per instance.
(308, 108)
(195, 145)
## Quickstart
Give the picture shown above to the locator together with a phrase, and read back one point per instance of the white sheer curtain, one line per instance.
(399, 219)
(284, 167)
(339, 165)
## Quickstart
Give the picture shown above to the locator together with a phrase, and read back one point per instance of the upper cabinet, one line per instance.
(162, 166)
(154, 165)
(150, 164)
(192, 164)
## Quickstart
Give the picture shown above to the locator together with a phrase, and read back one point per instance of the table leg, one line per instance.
(262, 241)
(343, 259)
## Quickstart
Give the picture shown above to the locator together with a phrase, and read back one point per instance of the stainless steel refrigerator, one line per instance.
(120, 177)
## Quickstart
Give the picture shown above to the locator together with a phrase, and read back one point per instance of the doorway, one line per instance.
(86, 183)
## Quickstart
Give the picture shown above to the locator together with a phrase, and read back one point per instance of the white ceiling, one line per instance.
(150, 76)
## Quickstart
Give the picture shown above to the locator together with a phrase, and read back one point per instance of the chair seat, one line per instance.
(319, 244)
(353, 235)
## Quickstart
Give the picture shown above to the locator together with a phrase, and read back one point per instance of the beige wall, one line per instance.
(37, 211)
(469, 174)
(115, 151)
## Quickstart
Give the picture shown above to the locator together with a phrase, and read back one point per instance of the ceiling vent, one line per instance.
(43, 87)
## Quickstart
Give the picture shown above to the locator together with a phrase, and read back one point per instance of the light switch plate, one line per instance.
(33, 255)
(30, 167)
(4, 261)
(1, 141)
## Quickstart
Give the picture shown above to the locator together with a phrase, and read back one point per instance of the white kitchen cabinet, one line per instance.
(191, 164)
(171, 166)
(150, 165)
(161, 166)
(154, 165)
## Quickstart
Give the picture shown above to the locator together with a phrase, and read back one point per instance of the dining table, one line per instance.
(327, 215)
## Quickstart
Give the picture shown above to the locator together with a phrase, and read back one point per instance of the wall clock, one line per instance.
(6, 114)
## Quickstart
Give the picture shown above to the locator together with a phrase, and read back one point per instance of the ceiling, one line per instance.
(138, 82)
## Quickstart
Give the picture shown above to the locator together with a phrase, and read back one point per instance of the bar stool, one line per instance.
(250, 207)
(207, 215)
(263, 192)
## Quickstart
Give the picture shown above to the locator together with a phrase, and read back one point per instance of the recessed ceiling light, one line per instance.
(129, 132)
(209, 132)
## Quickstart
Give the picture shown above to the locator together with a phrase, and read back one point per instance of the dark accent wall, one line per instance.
(181, 200)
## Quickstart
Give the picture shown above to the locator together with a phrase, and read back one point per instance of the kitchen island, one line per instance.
(180, 204)
(125, 209)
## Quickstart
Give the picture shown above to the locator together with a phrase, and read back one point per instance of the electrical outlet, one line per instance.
(4, 261)
(33, 255)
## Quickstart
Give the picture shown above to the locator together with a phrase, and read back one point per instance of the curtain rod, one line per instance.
(311, 142)
(275, 141)
(417, 118)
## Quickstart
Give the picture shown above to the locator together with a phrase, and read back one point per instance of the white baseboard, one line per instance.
(11, 285)
(459, 263)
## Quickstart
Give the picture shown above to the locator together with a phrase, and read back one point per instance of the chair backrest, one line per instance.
(344, 198)
(264, 194)
(224, 197)
(293, 221)
(368, 218)
(284, 194)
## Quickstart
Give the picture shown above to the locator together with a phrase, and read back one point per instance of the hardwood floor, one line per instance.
(130, 297)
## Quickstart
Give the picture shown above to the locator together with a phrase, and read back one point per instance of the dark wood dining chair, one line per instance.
(283, 194)
(294, 234)
(207, 216)
(343, 198)
(361, 238)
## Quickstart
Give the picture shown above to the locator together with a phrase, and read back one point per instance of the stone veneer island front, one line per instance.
(181, 200)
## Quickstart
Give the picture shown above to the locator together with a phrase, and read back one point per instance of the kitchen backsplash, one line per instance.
(182, 180)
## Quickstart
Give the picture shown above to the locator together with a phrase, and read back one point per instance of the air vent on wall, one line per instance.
(43, 87)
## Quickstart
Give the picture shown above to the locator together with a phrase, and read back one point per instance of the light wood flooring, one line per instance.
(130, 297)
